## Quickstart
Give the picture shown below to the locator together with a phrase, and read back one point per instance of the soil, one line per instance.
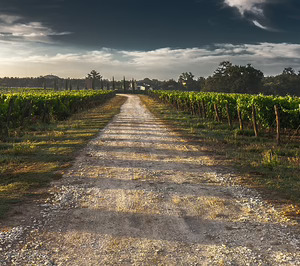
(139, 194)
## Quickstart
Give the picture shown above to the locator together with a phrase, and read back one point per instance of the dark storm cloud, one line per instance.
(16, 28)
(134, 24)
(147, 36)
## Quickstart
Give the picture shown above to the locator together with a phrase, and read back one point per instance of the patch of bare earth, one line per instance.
(139, 194)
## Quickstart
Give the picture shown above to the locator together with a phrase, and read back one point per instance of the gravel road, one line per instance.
(139, 194)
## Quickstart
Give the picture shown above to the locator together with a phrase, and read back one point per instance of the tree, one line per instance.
(235, 79)
(113, 83)
(94, 76)
(288, 82)
(70, 85)
(101, 84)
(170, 84)
(187, 81)
(55, 87)
(124, 83)
(45, 84)
(153, 83)
(223, 68)
(289, 71)
(200, 84)
(66, 84)
(133, 84)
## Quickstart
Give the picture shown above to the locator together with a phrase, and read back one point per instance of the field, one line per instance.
(23, 108)
(236, 107)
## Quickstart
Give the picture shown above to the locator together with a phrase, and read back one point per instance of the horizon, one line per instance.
(117, 79)
(158, 40)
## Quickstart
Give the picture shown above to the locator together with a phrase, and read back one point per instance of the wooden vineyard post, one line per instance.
(277, 123)
(240, 119)
(174, 103)
(217, 113)
(199, 110)
(192, 107)
(228, 115)
(254, 120)
(203, 108)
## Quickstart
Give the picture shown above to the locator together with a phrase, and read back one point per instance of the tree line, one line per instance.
(94, 80)
(226, 78)
(235, 79)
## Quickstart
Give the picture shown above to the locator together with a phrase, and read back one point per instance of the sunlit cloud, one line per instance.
(257, 24)
(15, 28)
(163, 63)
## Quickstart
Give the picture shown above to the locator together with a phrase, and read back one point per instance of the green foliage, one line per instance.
(24, 148)
(233, 78)
(94, 76)
(17, 109)
(288, 82)
(270, 159)
(186, 80)
(239, 132)
(200, 102)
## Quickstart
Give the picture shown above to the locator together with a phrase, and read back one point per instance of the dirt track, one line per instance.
(139, 194)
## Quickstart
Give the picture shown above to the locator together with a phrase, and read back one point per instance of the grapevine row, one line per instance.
(236, 107)
(18, 109)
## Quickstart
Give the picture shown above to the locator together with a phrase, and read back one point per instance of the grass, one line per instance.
(31, 159)
(275, 170)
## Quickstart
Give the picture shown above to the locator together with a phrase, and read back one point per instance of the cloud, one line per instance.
(257, 24)
(243, 6)
(250, 9)
(9, 19)
(164, 63)
(15, 28)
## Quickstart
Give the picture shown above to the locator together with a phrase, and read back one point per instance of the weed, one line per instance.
(24, 148)
(294, 161)
(270, 159)
(246, 132)
(192, 130)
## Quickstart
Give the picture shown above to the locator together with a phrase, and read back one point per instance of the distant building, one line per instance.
(143, 86)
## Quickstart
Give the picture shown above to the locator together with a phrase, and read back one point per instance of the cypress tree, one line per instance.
(66, 84)
(113, 83)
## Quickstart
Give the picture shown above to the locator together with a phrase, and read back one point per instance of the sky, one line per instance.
(146, 38)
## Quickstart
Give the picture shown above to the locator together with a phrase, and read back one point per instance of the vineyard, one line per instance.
(263, 112)
(18, 109)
